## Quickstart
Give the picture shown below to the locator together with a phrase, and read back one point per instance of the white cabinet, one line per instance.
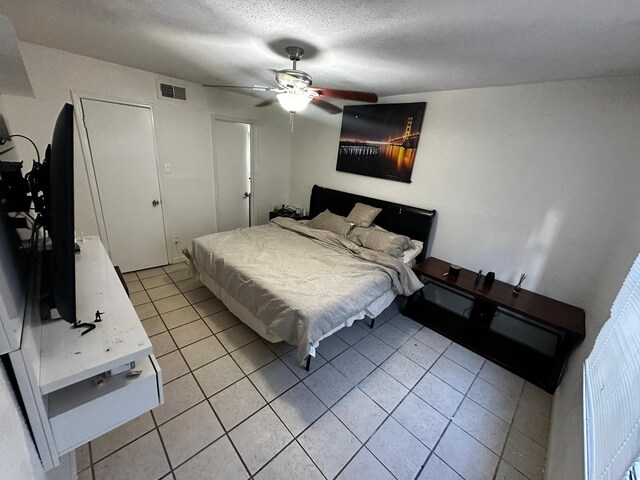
(65, 378)
(85, 410)
(13, 283)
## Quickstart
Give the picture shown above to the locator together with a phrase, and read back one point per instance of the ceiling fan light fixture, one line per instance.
(293, 102)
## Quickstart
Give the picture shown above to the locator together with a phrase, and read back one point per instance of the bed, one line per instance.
(292, 283)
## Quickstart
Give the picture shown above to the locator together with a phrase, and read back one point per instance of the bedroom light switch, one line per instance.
(167, 169)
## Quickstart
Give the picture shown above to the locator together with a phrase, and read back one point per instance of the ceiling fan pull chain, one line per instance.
(291, 118)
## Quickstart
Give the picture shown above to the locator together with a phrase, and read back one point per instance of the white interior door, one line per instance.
(232, 156)
(122, 144)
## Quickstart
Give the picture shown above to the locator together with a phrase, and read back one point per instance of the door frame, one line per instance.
(78, 111)
(253, 140)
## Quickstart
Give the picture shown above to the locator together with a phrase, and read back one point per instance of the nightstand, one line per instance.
(281, 213)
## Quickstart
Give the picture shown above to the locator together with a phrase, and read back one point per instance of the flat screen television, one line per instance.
(58, 216)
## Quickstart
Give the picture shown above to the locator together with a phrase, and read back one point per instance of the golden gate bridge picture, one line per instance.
(380, 140)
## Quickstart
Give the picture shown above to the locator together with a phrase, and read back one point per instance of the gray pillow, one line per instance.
(363, 215)
(380, 240)
(331, 222)
(408, 243)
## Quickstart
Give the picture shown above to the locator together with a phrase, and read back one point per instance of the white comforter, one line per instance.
(301, 282)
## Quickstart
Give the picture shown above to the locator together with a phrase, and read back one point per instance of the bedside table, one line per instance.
(280, 213)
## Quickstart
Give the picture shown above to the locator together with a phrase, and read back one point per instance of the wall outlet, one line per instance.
(175, 239)
(167, 169)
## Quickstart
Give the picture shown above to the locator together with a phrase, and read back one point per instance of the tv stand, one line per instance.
(75, 387)
(529, 334)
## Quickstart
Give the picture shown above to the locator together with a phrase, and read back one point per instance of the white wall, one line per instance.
(542, 179)
(18, 456)
(183, 133)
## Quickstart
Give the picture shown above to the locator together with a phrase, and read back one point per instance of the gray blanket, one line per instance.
(301, 282)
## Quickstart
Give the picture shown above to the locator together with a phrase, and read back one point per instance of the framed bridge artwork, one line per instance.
(380, 140)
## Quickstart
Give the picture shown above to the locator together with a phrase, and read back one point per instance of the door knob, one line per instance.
(246, 194)
(155, 203)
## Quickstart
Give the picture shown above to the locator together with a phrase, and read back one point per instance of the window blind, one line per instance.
(612, 389)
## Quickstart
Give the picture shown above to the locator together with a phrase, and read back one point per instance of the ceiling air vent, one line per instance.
(167, 90)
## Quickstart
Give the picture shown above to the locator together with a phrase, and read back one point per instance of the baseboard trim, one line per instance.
(178, 259)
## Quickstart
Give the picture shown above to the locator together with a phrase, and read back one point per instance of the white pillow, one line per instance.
(410, 254)
(380, 240)
(407, 240)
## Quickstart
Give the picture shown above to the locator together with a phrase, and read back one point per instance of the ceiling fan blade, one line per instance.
(326, 106)
(267, 102)
(347, 94)
(261, 88)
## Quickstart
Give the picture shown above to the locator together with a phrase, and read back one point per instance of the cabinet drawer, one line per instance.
(454, 301)
(83, 411)
(542, 339)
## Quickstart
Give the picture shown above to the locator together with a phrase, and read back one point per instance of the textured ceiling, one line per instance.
(382, 46)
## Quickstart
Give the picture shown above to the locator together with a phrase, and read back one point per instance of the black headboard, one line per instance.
(403, 219)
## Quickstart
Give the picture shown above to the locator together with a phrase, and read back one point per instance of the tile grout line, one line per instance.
(126, 444)
(299, 380)
(302, 380)
(309, 456)
(164, 447)
(293, 440)
(224, 429)
(296, 438)
(190, 371)
(328, 409)
(449, 422)
(167, 329)
(511, 426)
(157, 427)
(525, 433)
(267, 404)
(410, 390)
(206, 399)
(388, 414)
(245, 375)
(93, 473)
(465, 394)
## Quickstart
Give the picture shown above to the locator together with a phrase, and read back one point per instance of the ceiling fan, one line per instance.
(294, 90)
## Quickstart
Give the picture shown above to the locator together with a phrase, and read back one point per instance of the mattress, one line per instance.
(297, 284)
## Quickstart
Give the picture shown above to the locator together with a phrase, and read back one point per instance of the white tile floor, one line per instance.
(398, 401)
